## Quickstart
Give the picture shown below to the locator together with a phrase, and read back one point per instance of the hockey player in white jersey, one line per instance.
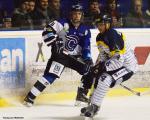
(115, 64)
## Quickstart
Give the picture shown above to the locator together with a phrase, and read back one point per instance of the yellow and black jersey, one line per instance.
(112, 44)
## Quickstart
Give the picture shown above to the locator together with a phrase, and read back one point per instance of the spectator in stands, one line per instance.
(111, 8)
(54, 9)
(7, 23)
(1, 17)
(40, 15)
(19, 15)
(136, 17)
(31, 5)
(148, 9)
(93, 12)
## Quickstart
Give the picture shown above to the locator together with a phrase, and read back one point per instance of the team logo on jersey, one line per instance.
(71, 43)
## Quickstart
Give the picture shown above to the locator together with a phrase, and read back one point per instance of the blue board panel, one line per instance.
(12, 62)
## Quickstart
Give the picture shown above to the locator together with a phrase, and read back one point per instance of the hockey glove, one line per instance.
(49, 35)
(98, 69)
(59, 45)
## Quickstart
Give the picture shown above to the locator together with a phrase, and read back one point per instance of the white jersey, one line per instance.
(119, 59)
(130, 60)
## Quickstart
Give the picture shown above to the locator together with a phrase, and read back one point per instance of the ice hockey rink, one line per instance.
(122, 107)
(113, 108)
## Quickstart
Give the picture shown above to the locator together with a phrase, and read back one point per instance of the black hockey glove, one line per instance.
(98, 68)
(59, 45)
(49, 35)
(88, 65)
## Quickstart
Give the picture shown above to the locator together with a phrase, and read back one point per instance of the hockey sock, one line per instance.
(38, 87)
(101, 90)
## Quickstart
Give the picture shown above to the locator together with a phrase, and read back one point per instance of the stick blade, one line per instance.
(145, 93)
(138, 94)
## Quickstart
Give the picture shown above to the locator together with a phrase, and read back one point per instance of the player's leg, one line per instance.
(76, 63)
(37, 88)
(52, 71)
(83, 89)
(88, 84)
(106, 80)
(99, 93)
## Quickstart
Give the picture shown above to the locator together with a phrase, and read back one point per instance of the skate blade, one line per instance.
(27, 104)
(88, 118)
(80, 104)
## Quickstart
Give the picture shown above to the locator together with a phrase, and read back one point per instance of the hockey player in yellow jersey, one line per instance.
(115, 64)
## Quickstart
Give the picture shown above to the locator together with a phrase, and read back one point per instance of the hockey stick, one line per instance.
(131, 90)
(77, 59)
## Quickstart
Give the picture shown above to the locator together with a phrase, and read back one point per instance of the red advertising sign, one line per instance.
(142, 54)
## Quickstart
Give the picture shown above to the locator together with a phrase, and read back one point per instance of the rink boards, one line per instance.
(23, 58)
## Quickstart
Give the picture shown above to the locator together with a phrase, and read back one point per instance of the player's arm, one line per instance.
(51, 31)
(102, 48)
(86, 50)
(117, 49)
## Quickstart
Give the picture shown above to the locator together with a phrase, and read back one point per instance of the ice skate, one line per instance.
(28, 102)
(81, 98)
(89, 112)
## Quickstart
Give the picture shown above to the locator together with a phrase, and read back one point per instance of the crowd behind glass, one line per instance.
(35, 14)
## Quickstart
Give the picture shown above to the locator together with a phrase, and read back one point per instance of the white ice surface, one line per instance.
(117, 108)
